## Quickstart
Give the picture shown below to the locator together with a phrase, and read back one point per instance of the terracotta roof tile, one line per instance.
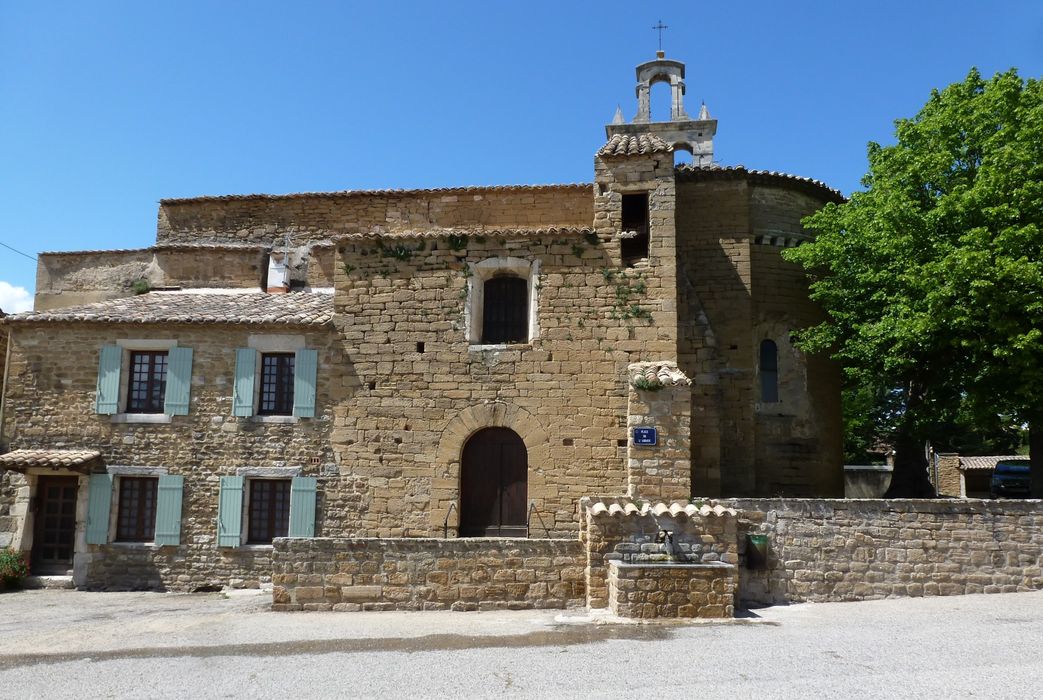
(689, 171)
(468, 232)
(661, 373)
(985, 463)
(20, 459)
(634, 145)
(615, 507)
(201, 247)
(198, 306)
(375, 193)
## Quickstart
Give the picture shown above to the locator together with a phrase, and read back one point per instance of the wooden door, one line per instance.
(54, 533)
(494, 485)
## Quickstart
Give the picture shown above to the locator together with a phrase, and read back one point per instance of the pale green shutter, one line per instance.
(230, 512)
(99, 502)
(168, 510)
(179, 381)
(305, 364)
(243, 392)
(108, 398)
(302, 506)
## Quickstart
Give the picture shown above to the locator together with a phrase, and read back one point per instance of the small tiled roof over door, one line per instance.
(20, 460)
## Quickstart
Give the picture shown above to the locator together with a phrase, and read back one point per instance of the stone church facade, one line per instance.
(461, 362)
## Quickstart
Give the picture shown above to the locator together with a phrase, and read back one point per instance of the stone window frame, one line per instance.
(268, 344)
(480, 272)
(250, 474)
(128, 346)
(118, 471)
(791, 369)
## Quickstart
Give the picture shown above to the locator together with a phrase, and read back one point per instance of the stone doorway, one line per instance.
(54, 531)
(494, 485)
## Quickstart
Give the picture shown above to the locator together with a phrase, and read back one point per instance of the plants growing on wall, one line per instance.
(13, 568)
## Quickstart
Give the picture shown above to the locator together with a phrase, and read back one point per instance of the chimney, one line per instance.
(278, 273)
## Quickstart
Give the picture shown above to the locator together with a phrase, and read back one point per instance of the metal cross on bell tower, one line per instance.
(660, 27)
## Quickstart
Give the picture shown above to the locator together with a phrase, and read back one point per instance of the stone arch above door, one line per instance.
(446, 491)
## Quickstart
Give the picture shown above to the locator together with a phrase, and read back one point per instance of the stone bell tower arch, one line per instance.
(681, 132)
(661, 70)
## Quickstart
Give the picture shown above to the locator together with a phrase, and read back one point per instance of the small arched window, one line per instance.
(505, 315)
(769, 371)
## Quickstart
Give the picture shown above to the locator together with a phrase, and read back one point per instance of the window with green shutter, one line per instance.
(305, 371)
(99, 504)
(107, 401)
(245, 381)
(302, 506)
(179, 381)
(230, 512)
(168, 510)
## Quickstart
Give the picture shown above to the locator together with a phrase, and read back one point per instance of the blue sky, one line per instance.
(106, 107)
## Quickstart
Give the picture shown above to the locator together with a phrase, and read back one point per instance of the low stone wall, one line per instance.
(835, 550)
(667, 590)
(427, 574)
(133, 567)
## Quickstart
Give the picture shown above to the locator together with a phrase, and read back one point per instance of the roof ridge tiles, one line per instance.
(375, 192)
(692, 170)
(249, 308)
(438, 232)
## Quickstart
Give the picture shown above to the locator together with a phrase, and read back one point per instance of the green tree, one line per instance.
(932, 277)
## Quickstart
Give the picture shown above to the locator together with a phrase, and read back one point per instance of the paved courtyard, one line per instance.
(58, 644)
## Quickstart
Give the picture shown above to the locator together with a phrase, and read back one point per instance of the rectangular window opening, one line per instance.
(769, 371)
(634, 239)
(269, 512)
(505, 313)
(277, 384)
(147, 386)
(420, 346)
(136, 512)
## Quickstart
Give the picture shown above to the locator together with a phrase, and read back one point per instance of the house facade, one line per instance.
(460, 362)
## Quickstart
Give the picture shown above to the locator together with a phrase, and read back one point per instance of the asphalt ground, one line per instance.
(67, 644)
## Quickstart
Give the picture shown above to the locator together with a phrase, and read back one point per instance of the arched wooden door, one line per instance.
(494, 485)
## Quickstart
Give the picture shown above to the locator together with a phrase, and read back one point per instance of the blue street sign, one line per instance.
(645, 436)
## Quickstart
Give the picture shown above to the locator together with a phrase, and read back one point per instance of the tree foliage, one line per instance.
(932, 277)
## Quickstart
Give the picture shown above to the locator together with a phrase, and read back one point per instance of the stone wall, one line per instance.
(311, 217)
(73, 278)
(50, 403)
(662, 471)
(833, 550)
(10, 485)
(133, 567)
(950, 481)
(665, 590)
(714, 347)
(418, 388)
(735, 291)
(427, 574)
(799, 445)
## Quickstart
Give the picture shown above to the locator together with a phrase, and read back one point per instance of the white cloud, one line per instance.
(14, 299)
